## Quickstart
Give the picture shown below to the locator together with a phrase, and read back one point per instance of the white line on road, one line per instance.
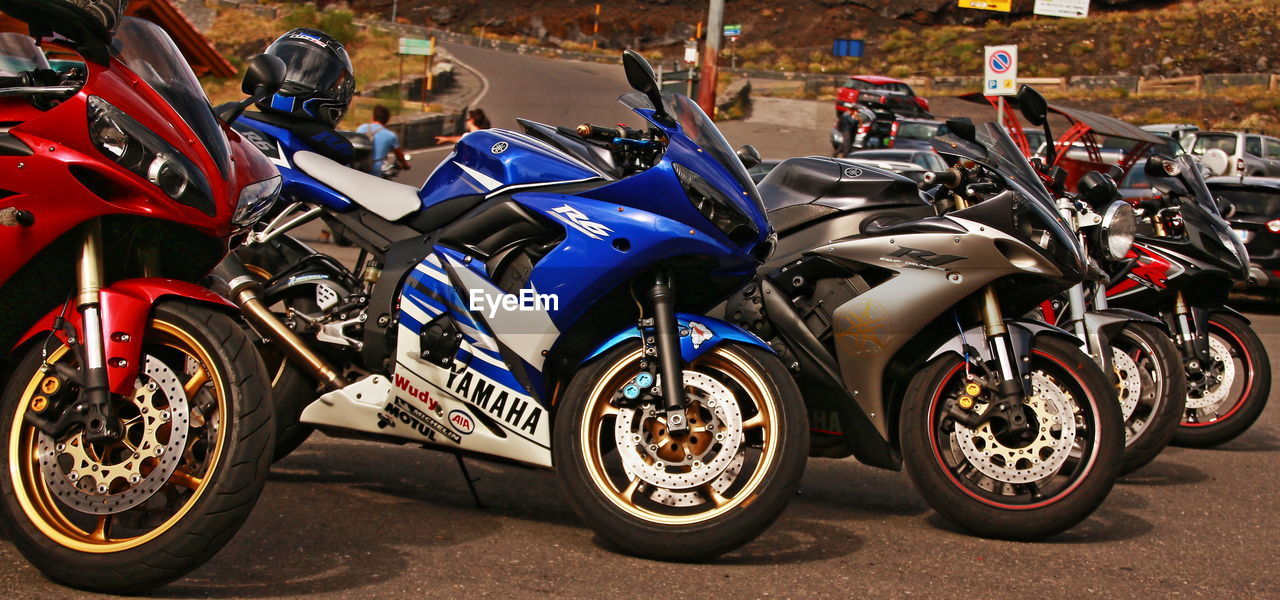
(484, 89)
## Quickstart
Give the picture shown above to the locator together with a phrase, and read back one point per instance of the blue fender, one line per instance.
(694, 340)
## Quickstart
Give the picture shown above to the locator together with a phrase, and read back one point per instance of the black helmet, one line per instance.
(319, 79)
(81, 21)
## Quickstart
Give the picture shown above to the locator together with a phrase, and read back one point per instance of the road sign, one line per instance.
(414, 47)
(1001, 71)
(732, 30)
(1076, 9)
(998, 5)
(691, 51)
(847, 48)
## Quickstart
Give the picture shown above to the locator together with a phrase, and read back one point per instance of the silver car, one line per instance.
(1248, 154)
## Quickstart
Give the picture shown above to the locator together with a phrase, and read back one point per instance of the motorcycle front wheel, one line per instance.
(686, 497)
(1152, 388)
(1025, 485)
(1229, 393)
(127, 516)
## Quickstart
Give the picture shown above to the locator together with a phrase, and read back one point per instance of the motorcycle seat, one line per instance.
(387, 199)
(805, 189)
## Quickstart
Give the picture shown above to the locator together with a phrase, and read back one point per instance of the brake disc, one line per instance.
(709, 453)
(1222, 373)
(1129, 387)
(1052, 410)
(118, 478)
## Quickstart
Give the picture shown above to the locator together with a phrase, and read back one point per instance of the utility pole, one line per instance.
(710, 53)
(395, 7)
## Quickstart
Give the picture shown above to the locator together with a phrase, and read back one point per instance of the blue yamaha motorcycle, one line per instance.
(542, 300)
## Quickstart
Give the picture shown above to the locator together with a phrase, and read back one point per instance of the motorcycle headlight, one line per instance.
(716, 207)
(127, 142)
(254, 200)
(1119, 224)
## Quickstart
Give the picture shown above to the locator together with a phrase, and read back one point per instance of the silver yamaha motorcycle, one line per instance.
(889, 304)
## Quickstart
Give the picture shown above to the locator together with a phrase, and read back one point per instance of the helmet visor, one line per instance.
(311, 66)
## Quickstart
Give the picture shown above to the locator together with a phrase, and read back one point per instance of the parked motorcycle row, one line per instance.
(624, 306)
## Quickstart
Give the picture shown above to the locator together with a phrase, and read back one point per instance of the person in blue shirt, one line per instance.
(386, 144)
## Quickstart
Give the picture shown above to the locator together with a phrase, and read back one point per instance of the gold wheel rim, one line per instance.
(33, 494)
(724, 362)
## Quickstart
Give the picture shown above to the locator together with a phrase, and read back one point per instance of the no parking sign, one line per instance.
(1001, 71)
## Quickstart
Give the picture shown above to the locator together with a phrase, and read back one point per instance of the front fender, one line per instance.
(126, 307)
(1022, 332)
(1227, 310)
(1103, 324)
(698, 334)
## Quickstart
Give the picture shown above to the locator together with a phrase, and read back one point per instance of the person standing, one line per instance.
(386, 144)
(476, 120)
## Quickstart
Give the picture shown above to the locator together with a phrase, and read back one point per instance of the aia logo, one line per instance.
(575, 219)
(462, 422)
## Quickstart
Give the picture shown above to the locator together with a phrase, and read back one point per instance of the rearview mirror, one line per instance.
(264, 77)
(963, 128)
(749, 156)
(1035, 109)
(641, 78)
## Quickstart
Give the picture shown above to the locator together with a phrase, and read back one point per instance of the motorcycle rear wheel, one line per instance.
(91, 516)
(996, 486)
(690, 497)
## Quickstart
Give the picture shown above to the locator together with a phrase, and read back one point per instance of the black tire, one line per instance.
(1013, 511)
(1246, 390)
(1153, 412)
(647, 528)
(212, 487)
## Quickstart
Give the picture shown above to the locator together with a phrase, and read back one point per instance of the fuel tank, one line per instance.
(491, 160)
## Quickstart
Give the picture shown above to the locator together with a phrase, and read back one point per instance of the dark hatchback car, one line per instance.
(1256, 220)
(914, 134)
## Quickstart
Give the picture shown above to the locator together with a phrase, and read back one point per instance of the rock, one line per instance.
(1168, 60)
(1150, 70)
(1263, 63)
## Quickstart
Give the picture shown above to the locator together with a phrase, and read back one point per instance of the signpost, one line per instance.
(1001, 75)
(852, 48)
(996, 5)
(732, 32)
(426, 49)
(1074, 9)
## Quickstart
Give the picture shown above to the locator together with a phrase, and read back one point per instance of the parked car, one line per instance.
(1180, 132)
(1249, 154)
(896, 93)
(914, 134)
(925, 159)
(1254, 214)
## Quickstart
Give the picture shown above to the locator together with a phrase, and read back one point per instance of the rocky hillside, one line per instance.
(904, 37)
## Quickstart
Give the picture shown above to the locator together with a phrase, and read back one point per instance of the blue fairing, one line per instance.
(492, 160)
(279, 145)
(720, 332)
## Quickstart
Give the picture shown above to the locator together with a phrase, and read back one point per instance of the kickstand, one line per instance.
(471, 483)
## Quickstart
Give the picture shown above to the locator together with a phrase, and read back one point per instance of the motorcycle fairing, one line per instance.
(126, 307)
(279, 145)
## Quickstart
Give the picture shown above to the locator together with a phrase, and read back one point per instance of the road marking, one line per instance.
(484, 89)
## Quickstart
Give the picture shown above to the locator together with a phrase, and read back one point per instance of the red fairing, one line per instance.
(126, 307)
(1151, 268)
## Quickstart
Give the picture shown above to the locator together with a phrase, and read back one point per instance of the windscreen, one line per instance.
(697, 126)
(18, 53)
(149, 52)
(1203, 223)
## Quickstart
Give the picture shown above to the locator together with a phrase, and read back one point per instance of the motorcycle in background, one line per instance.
(135, 421)
(537, 305)
(1183, 273)
(895, 322)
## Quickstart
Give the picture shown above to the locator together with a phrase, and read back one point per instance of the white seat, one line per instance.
(387, 199)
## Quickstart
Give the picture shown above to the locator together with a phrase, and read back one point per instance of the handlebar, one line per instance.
(950, 178)
(608, 134)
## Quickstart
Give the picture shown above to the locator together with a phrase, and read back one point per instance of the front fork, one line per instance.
(667, 334)
(1012, 388)
(94, 409)
(1192, 336)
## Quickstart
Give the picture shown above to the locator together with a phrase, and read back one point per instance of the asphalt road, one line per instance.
(343, 519)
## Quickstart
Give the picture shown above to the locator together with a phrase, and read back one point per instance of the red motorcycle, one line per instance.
(135, 421)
